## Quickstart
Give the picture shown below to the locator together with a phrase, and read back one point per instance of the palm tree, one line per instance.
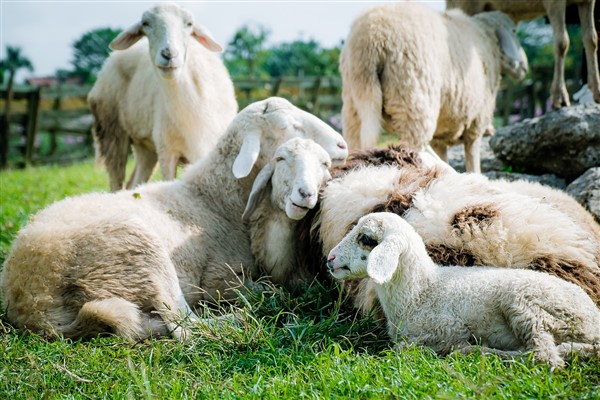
(13, 62)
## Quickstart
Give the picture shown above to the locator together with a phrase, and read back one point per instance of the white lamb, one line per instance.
(169, 96)
(128, 261)
(436, 84)
(273, 217)
(505, 311)
(555, 10)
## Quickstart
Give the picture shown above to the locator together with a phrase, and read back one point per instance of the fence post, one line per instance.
(33, 105)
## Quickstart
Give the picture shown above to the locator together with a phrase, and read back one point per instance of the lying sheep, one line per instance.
(277, 203)
(464, 219)
(555, 10)
(128, 261)
(505, 311)
(435, 85)
(170, 97)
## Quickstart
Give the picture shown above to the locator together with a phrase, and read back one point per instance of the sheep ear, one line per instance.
(202, 35)
(383, 260)
(248, 155)
(258, 189)
(127, 38)
(508, 46)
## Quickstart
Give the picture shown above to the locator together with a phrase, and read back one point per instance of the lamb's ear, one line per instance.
(202, 35)
(258, 189)
(127, 38)
(383, 260)
(248, 155)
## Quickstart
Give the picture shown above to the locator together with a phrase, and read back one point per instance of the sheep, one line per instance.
(124, 261)
(273, 218)
(170, 97)
(435, 85)
(464, 219)
(555, 10)
(504, 311)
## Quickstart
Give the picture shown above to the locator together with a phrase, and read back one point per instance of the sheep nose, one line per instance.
(330, 262)
(304, 194)
(341, 145)
(169, 54)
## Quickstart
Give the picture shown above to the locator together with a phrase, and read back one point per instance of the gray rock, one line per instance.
(545, 179)
(564, 142)
(586, 190)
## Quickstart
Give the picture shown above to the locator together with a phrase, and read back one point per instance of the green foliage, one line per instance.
(246, 55)
(13, 62)
(301, 58)
(308, 344)
(90, 51)
(537, 41)
(245, 52)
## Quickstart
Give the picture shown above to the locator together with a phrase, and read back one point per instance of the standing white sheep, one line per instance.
(505, 311)
(128, 261)
(555, 10)
(426, 76)
(169, 96)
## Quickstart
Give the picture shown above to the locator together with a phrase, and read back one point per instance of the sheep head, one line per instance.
(168, 28)
(513, 58)
(268, 123)
(371, 249)
(296, 172)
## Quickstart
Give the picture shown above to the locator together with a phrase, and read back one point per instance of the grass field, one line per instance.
(304, 345)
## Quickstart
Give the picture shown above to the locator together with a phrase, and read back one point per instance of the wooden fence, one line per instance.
(56, 114)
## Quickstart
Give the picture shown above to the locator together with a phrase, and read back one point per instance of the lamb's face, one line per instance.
(348, 260)
(301, 167)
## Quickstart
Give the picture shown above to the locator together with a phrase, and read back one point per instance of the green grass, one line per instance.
(307, 345)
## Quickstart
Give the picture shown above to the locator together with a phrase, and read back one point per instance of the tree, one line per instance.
(13, 62)
(246, 50)
(90, 51)
(301, 58)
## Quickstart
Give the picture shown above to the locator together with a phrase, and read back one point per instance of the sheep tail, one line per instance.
(113, 315)
(368, 97)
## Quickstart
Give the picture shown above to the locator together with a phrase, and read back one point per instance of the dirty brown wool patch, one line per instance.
(480, 215)
(444, 255)
(398, 155)
(411, 180)
(574, 273)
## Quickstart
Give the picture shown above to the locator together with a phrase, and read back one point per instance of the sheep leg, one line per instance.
(556, 15)
(583, 350)
(168, 164)
(505, 354)
(472, 146)
(545, 350)
(590, 43)
(145, 161)
(440, 149)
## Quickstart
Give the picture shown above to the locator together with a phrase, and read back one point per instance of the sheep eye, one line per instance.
(367, 241)
(188, 24)
(277, 159)
(145, 23)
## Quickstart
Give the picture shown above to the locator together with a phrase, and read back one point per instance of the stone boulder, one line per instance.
(586, 190)
(565, 142)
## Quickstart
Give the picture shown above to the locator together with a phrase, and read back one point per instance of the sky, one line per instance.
(46, 30)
